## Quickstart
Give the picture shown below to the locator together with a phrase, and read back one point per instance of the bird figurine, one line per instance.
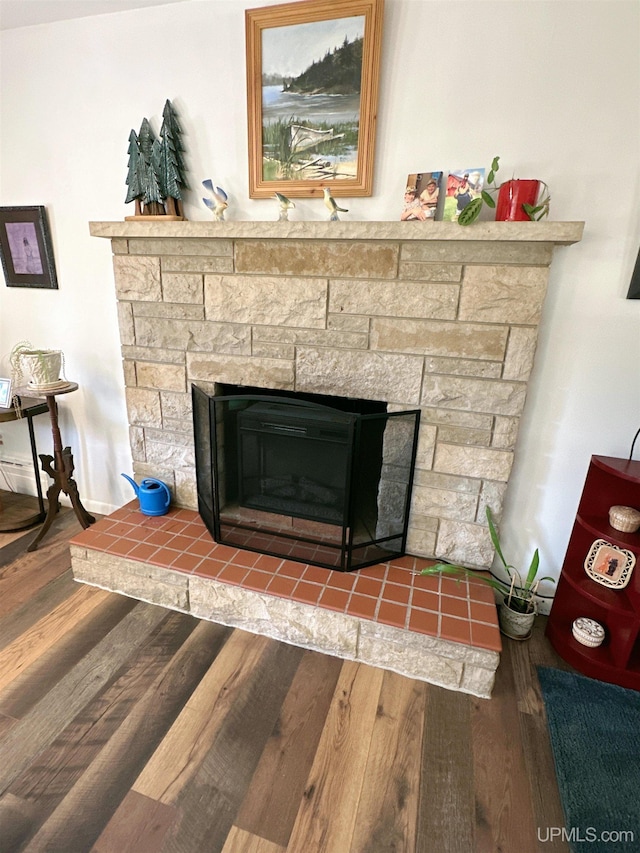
(332, 206)
(219, 203)
(285, 204)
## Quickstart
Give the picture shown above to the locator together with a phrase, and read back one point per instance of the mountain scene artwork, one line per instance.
(311, 86)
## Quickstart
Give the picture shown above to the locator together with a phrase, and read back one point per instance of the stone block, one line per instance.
(430, 272)
(125, 323)
(502, 294)
(477, 681)
(448, 482)
(176, 406)
(172, 455)
(264, 349)
(369, 375)
(185, 335)
(143, 407)
(167, 377)
(183, 287)
(168, 310)
(434, 337)
(281, 619)
(390, 299)
(348, 323)
(483, 462)
(463, 367)
(266, 300)
(420, 542)
(505, 433)
(138, 580)
(441, 503)
(478, 252)
(340, 258)
(235, 370)
(475, 395)
(137, 279)
(156, 354)
(521, 348)
(462, 435)
(180, 246)
(469, 544)
(186, 491)
(198, 264)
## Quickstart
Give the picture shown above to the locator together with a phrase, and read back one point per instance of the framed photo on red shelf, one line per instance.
(609, 565)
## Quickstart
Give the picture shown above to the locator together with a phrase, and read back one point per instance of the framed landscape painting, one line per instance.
(312, 93)
(25, 248)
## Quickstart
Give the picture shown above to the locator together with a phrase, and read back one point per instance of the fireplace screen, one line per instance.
(299, 479)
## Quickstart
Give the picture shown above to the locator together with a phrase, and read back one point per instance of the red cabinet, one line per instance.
(610, 481)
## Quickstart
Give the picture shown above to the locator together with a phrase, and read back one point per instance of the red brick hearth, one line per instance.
(175, 555)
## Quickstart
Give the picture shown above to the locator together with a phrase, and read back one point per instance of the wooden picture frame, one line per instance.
(25, 248)
(302, 139)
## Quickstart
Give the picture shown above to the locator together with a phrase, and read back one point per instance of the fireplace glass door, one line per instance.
(298, 479)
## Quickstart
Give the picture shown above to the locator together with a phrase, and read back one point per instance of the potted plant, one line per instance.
(518, 609)
(41, 365)
(518, 200)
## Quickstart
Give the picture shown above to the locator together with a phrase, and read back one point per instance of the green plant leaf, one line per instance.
(471, 212)
(488, 199)
(495, 165)
(494, 538)
(490, 177)
(533, 569)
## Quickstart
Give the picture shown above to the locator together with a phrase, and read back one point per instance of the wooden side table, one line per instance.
(59, 467)
(28, 409)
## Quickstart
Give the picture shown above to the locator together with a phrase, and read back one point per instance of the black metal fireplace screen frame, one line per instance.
(304, 481)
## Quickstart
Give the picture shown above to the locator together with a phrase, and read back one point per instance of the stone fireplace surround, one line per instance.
(432, 316)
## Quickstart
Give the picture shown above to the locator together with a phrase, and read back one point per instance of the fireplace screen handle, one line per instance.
(283, 428)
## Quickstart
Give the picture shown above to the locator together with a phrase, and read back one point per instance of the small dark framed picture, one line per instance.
(5, 393)
(25, 248)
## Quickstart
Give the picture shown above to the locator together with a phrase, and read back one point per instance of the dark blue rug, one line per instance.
(595, 735)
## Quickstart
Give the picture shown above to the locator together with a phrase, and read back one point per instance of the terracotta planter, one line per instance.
(511, 196)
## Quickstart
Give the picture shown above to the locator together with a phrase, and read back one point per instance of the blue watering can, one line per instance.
(154, 495)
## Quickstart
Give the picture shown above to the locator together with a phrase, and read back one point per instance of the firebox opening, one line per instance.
(322, 480)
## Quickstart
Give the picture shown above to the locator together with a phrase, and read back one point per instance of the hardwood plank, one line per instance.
(538, 755)
(19, 655)
(43, 674)
(241, 841)
(50, 777)
(14, 547)
(504, 813)
(17, 818)
(271, 804)
(208, 805)
(447, 803)
(15, 623)
(50, 716)
(80, 818)
(139, 826)
(387, 813)
(17, 510)
(179, 756)
(326, 818)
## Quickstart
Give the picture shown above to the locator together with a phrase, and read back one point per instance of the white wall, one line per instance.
(552, 87)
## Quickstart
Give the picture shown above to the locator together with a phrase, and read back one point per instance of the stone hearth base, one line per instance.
(430, 628)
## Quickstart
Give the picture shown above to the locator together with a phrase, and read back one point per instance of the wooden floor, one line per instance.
(127, 728)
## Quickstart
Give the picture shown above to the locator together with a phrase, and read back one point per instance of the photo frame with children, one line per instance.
(422, 197)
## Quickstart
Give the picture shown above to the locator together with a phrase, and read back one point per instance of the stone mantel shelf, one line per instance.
(557, 233)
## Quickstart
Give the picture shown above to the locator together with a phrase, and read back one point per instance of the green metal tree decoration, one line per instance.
(155, 176)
